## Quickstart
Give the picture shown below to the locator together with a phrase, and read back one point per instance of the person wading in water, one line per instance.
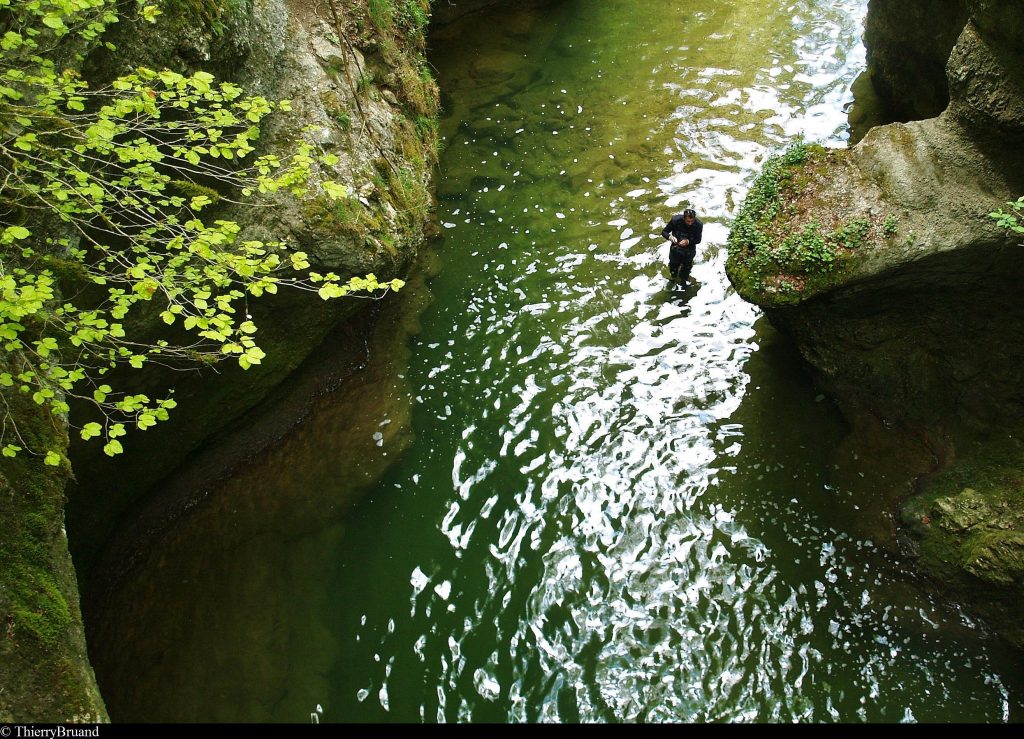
(683, 232)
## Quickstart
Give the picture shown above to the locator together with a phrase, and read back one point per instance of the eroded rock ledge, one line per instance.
(882, 262)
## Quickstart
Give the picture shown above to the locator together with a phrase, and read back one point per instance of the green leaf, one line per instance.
(54, 21)
(11, 40)
(112, 448)
(334, 190)
(90, 430)
(52, 459)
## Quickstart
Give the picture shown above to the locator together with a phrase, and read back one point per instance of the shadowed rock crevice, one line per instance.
(908, 44)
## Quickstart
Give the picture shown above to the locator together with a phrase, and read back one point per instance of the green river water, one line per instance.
(575, 494)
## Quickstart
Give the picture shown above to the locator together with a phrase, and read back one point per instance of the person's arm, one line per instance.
(666, 233)
(698, 232)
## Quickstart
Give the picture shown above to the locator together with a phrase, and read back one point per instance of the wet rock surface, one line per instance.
(283, 50)
(919, 328)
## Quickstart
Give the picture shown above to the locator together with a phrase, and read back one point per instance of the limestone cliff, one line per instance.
(360, 88)
(882, 262)
(359, 85)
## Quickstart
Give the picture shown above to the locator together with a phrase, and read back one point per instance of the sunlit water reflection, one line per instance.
(618, 504)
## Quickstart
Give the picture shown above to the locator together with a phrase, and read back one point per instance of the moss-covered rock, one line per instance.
(359, 88)
(808, 224)
(967, 530)
(914, 324)
(45, 674)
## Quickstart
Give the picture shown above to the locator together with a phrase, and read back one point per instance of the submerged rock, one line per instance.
(968, 525)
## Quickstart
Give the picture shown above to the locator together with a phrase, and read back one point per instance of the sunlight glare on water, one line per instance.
(626, 573)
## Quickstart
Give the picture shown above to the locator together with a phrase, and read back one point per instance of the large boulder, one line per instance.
(884, 265)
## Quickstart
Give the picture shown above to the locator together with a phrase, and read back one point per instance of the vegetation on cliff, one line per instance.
(967, 533)
(44, 672)
(103, 199)
(787, 244)
(1011, 217)
(142, 209)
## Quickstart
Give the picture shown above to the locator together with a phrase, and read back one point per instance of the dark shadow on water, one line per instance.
(680, 293)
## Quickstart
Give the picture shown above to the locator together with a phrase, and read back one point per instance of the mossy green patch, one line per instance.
(409, 192)
(44, 671)
(326, 217)
(204, 13)
(968, 525)
(789, 242)
(336, 109)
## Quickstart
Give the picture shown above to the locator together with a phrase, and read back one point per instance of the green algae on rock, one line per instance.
(966, 527)
(798, 234)
(44, 671)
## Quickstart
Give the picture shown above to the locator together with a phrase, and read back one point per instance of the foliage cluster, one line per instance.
(402, 23)
(407, 16)
(105, 210)
(1011, 216)
(763, 202)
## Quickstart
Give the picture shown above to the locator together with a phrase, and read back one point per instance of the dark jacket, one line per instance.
(677, 227)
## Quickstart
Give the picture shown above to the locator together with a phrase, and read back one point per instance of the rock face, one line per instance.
(362, 93)
(883, 263)
(45, 673)
(967, 527)
(908, 45)
(357, 77)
